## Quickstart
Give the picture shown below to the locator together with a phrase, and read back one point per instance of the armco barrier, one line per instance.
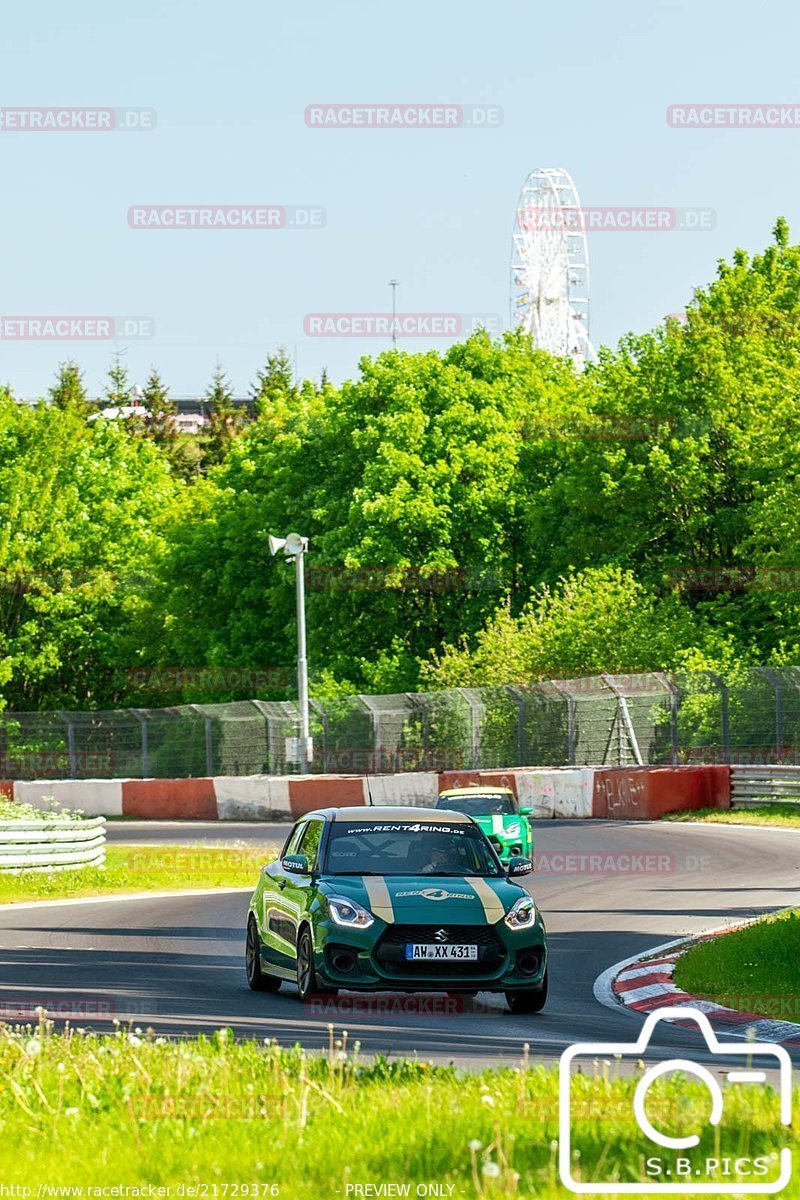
(753, 786)
(647, 793)
(573, 793)
(53, 845)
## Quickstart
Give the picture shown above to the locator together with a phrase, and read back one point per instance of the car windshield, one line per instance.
(481, 805)
(409, 848)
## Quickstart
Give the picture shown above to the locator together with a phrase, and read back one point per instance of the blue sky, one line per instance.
(581, 85)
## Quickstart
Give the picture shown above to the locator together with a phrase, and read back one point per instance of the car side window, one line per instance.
(310, 843)
(295, 837)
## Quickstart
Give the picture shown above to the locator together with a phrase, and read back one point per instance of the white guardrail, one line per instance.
(30, 845)
(752, 786)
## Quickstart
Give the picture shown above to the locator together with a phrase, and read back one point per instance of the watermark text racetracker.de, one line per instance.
(403, 116)
(56, 764)
(602, 863)
(77, 120)
(366, 760)
(734, 116)
(395, 1004)
(86, 1008)
(226, 216)
(401, 325)
(50, 328)
(248, 679)
(392, 577)
(197, 1190)
(737, 577)
(614, 219)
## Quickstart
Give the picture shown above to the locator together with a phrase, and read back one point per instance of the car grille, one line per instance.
(389, 952)
(457, 935)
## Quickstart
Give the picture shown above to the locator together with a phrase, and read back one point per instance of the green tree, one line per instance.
(161, 420)
(415, 485)
(225, 420)
(82, 512)
(696, 424)
(274, 383)
(118, 390)
(593, 621)
(69, 390)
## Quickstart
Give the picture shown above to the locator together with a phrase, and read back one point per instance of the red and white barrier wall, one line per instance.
(623, 793)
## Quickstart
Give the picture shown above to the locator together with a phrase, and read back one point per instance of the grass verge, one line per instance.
(787, 815)
(247, 1119)
(753, 969)
(142, 869)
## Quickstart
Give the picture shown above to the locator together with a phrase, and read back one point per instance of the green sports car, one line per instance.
(499, 815)
(407, 899)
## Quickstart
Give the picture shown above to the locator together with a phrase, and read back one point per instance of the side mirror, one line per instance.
(519, 865)
(296, 863)
(526, 812)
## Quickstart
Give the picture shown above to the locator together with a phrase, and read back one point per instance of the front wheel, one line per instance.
(531, 1000)
(306, 975)
(257, 981)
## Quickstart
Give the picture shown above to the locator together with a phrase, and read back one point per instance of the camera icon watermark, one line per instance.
(694, 1162)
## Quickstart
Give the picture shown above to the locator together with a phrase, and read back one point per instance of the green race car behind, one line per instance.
(372, 899)
(499, 815)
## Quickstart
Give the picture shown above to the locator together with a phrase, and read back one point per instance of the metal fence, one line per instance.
(602, 719)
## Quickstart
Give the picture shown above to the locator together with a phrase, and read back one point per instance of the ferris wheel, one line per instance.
(550, 266)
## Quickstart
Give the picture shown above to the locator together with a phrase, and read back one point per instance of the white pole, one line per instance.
(306, 751)
(393, 285)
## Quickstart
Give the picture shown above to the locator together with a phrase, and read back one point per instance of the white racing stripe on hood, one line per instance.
(380, 901)
(497, 823)
(492, 904)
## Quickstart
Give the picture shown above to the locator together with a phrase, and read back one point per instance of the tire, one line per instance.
(531, 1000)
(307, 984)
(257, 981)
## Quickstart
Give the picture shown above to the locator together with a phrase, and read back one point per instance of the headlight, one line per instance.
(522, 915)
(513, 830)
(349, 912)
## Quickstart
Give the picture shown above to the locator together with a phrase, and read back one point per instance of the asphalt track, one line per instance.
(175, 963)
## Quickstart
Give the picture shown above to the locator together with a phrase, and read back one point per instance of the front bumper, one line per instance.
(511, 847)
(374, 959)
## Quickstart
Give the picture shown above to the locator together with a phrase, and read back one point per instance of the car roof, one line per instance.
(388, 813)
(477, 789)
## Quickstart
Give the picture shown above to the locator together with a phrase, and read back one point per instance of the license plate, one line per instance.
(415, 952)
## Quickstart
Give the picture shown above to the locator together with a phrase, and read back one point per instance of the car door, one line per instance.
(299, 891)
(278, 930)
(526, 822)
(287, 895)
